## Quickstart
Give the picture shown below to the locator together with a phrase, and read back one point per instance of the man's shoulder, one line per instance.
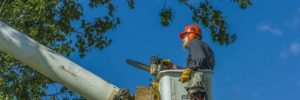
(199, 42)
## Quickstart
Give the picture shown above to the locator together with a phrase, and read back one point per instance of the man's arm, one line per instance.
(211, 58)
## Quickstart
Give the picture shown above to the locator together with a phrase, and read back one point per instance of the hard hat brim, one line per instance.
(181, 35)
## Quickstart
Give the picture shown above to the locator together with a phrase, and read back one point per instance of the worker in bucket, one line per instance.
(200, 64)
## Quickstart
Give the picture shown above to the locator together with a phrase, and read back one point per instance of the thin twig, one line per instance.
(189, 5)
(2, 6)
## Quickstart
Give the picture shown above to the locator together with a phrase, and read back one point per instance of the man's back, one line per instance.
(200, 55)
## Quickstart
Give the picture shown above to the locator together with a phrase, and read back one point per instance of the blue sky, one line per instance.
(263, 64)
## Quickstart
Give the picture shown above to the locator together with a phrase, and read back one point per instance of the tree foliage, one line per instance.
(51, 22)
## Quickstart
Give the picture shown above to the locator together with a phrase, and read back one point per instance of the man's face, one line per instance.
(185, 41)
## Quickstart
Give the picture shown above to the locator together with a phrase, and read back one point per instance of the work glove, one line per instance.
(185, 76)
(155, 85)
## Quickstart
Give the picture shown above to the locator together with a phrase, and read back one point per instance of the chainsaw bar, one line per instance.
(138, 65)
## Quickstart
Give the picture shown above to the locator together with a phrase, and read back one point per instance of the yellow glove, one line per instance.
(185, 76)
(155, 85)
(156, 94)
(167, 61)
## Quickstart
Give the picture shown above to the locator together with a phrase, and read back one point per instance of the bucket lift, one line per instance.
(166, 81)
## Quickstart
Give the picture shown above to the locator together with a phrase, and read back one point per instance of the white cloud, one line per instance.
(283, 54)
(295, 48)
(255, 93)
(294, 22)
(237, 93)
(298, 83)
(268, 28)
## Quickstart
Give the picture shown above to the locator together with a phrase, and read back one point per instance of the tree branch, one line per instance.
(189, 5)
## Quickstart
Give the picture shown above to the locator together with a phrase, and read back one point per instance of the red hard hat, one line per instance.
(191, 29)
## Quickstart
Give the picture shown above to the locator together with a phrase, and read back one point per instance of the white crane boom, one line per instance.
(54, 65)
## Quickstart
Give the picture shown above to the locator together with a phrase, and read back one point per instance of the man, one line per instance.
(200, 63)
